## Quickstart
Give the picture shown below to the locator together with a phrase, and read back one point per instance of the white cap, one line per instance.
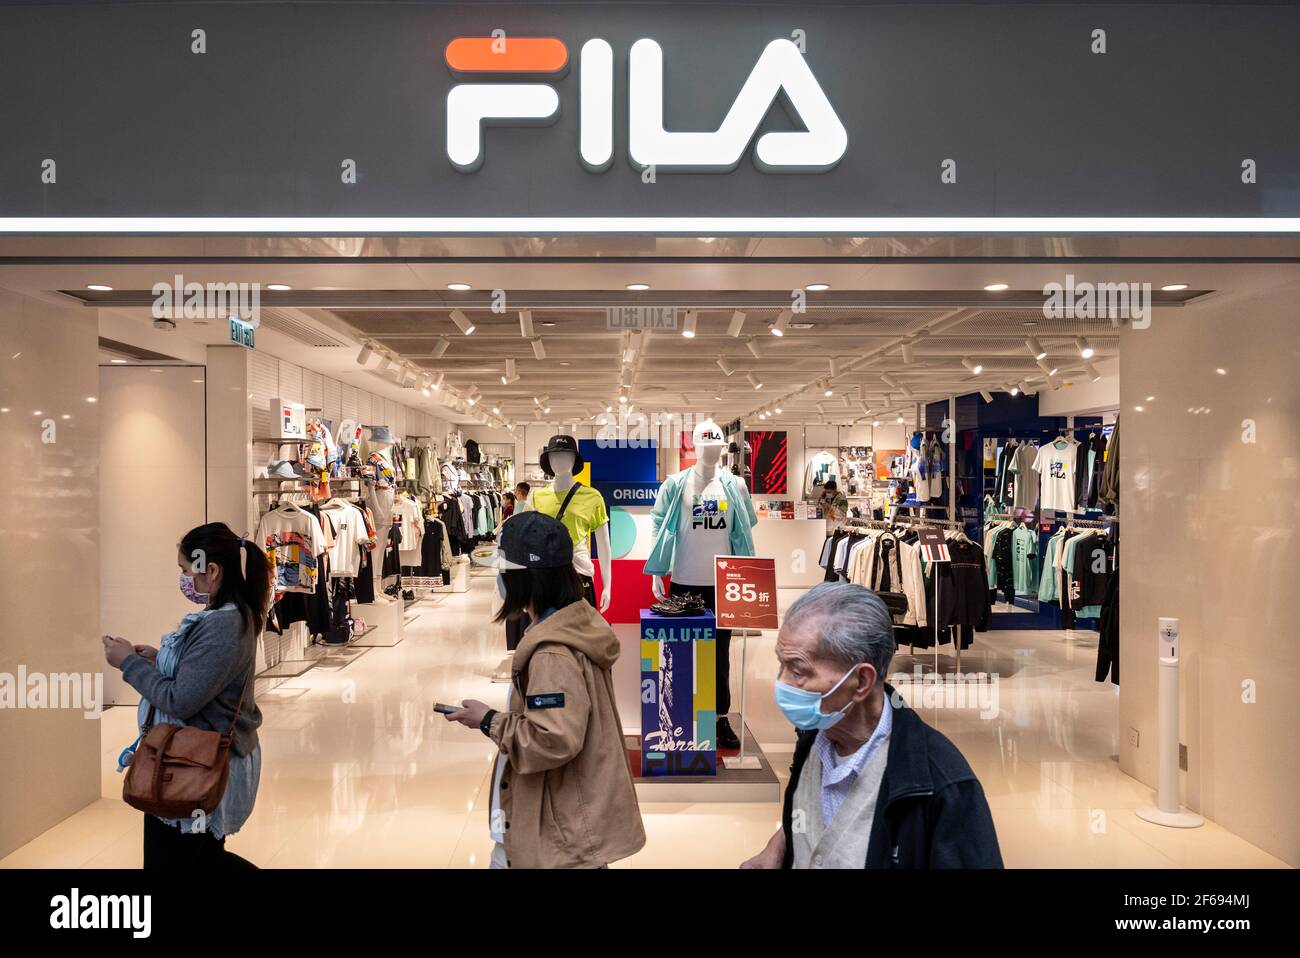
(708, 433)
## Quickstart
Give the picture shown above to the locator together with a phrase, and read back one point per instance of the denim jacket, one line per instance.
(665, 519)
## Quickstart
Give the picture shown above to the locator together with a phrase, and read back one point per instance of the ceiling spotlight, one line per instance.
(725, 366)
(752, 346)
(462, 322)
(511, 375)
(821, 409)
(779, 410)
(526, 323)
(1024, 387)
(1085, 348)
(542, 400)
(364, 357)
(1012, 388)
(717, 395)
(1092, 372)
(622, 399)
(909, 355)
(835, 367)
(862, 392)
(995, 287)
(889, 381)
(737, 323)
(437, 382)
(899, 420)
(394, 367)
(279, 287)
(609, 408)
(99, 287)
(782, 320)
(753, 381)
(1167, 288)
(866, 408)
(440, 347)
(1047, 368)
(817, 287)
(471, 400)
(974, 367)
(459, 287)
(986, 395)
(827, 390)
(1035, 348)
(539, 349)
(875, 423)
(688, 326)
(638, 287)
(496, 410)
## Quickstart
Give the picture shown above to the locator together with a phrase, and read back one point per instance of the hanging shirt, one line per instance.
(1055, 465)
(293, 542)
(703, 531)
(349, 533)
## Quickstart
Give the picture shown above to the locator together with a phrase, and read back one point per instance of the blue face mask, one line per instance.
(803, 709)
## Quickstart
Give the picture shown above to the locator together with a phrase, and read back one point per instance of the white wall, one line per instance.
(49, 563)
(1209, 473)
(151, 492)
(1083, 396)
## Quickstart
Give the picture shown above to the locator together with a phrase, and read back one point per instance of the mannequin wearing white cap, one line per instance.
(561, 464)
(699, 514)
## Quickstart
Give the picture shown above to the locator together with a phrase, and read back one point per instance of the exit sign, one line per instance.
(241, 333)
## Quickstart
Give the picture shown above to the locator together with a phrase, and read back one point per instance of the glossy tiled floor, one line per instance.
(358, 772)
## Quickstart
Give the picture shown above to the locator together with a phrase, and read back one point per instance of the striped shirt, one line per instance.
(840, 773)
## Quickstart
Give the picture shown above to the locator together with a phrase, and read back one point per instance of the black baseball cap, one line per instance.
(561, 444)
(529, 540)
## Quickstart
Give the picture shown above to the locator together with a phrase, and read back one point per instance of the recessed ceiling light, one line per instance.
(1221, 371)
(118, 362)
(91, 399)
(1139, 408)
(817, 287)
(548, 322)
(459, 287)
(638, 287)
(4, 408)
(99, 287)
(279, 287)
(995, 287)
(1168, 288)
(1151, 399)
(801, 326)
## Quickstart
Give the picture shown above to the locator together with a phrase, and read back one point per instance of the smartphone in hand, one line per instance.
(447, 709)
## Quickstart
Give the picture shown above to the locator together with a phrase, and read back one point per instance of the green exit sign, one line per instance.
(241, 334)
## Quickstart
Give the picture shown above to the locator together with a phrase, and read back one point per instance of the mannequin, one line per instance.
(699, 514)
(562, 463)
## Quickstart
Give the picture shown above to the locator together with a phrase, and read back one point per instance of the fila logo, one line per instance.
(780, 68)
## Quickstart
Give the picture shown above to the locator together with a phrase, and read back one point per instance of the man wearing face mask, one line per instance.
(871, 784)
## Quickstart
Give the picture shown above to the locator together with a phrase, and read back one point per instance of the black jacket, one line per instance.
(931, 812)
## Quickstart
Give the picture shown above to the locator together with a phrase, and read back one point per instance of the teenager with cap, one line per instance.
(562, 792)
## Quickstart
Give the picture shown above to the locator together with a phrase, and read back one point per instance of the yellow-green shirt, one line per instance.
(586, 513)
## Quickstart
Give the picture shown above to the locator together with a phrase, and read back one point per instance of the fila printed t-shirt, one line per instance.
(586, 513)
(1055, 468)
(703, 531)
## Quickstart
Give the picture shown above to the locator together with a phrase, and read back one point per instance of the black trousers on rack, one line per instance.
(723, 643)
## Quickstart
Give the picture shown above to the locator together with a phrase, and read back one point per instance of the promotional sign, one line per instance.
(627, 492)
(769, 462)
(679, 718)
(746, 592)
(933, 546)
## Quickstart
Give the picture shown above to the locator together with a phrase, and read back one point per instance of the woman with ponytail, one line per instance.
(202, 675)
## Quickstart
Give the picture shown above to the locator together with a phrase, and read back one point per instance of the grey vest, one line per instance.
(844, 844)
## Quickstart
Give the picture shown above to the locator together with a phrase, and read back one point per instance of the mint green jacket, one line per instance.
(665, 519)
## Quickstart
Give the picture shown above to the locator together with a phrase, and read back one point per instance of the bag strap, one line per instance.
(230, 732)
(565, 504)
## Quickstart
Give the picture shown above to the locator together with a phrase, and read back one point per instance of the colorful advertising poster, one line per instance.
(769, 462)
(678, 712)
(746, 591)
(884, 460)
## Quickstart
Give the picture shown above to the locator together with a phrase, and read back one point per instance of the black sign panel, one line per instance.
(954, 117)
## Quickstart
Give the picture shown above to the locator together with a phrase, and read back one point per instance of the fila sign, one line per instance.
(781, 68)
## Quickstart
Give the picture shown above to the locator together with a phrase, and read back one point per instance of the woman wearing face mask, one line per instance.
(562, 793)
(202, 675)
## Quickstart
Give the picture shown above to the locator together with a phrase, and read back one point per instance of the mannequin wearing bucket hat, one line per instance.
(580, 508)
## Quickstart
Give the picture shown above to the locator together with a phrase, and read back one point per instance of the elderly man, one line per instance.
(871, 785)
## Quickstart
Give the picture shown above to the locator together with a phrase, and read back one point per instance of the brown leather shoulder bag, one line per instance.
(178, 768)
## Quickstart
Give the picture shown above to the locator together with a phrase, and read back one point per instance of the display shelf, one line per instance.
(728, 785)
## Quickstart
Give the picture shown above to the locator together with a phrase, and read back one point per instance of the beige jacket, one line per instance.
(566, 791)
